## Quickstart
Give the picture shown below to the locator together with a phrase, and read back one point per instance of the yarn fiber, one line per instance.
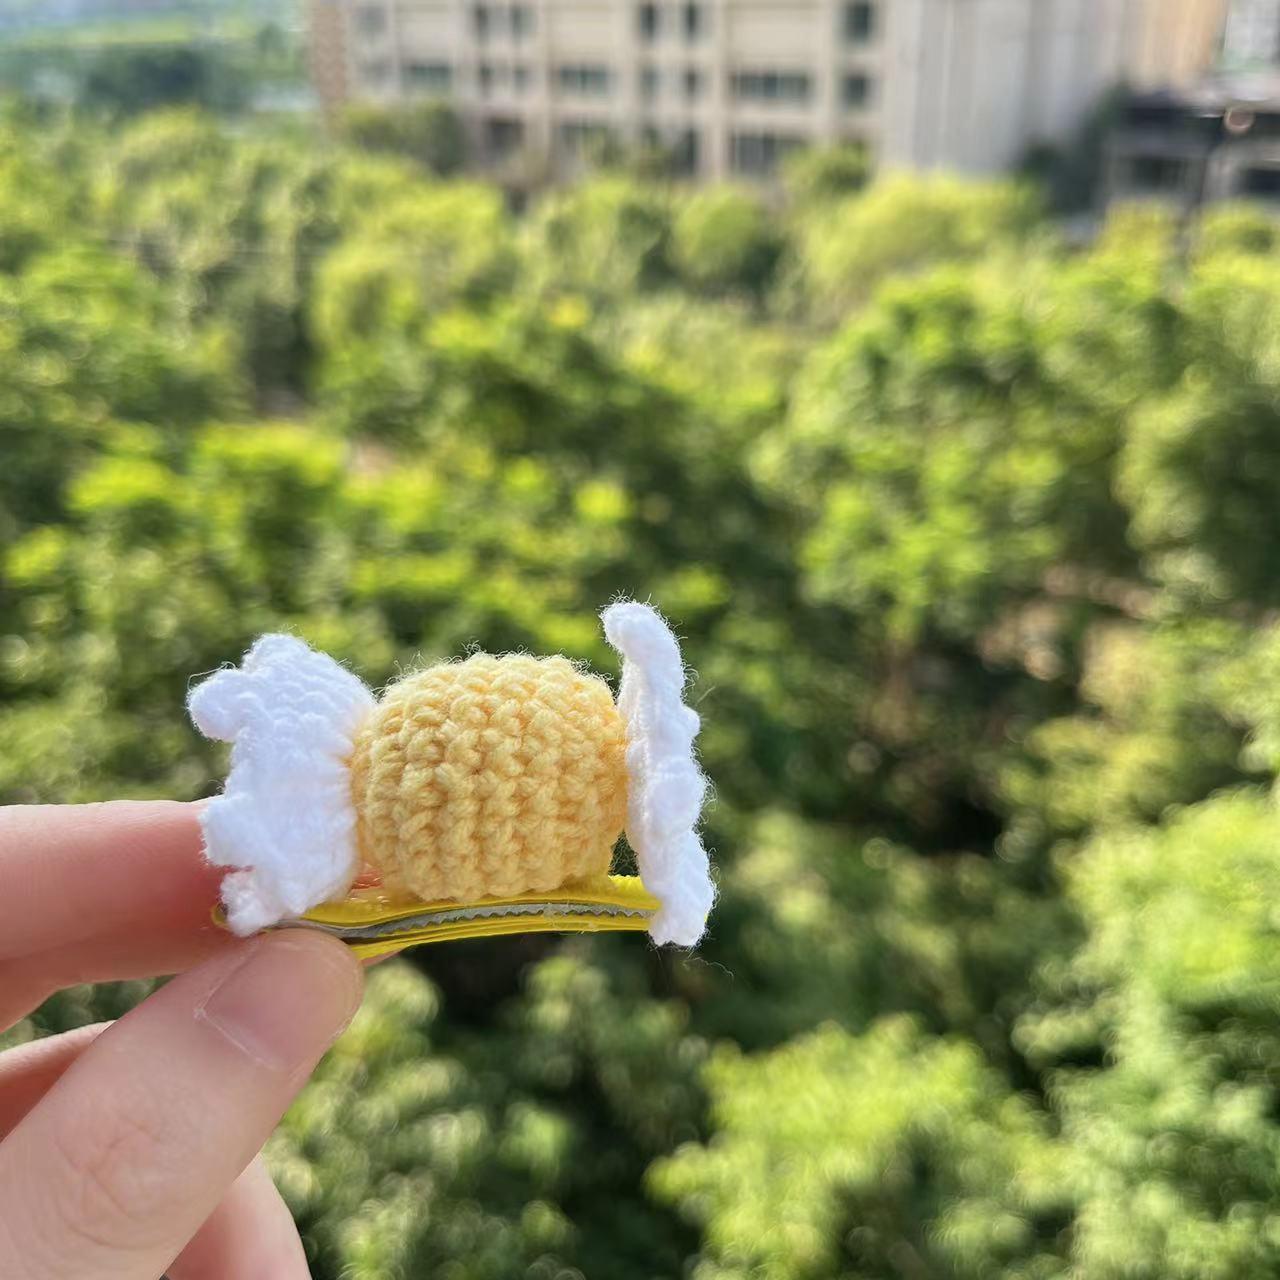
(667, 788)
(491, 777)
(284, 823)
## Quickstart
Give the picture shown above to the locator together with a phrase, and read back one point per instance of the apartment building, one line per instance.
(1219, 140)
(1252, 37)
(729, 86)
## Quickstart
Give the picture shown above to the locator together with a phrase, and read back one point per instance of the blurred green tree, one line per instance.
(724, 240)
(815, 174)
(968, 535)
(900, 225)
(1217, 433)
(428, 132)
(130, 79)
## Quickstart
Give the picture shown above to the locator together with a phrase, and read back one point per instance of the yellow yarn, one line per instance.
(490, 778)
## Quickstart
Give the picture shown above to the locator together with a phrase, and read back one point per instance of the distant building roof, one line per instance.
(1215, 95)
(1217, 139)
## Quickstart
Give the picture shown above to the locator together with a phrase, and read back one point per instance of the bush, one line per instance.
(428, 132)
(969, 538)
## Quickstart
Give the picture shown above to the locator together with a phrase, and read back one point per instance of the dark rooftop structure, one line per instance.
(1219, 140)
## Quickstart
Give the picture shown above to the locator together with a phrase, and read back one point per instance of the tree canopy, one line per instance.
(968, 532)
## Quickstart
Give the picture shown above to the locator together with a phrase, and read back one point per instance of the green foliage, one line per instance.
(958, 438)
(949, 941)
(844, 248)
(428, 132)
(219, 55)
(1173, 1144)
(1236, 228)
(411, 259)
(87, 339)
(814, 174)
(1154, 729)
(531, 1128)
(128, 79)
(1217, 432)
(724, 240)
(1248, 690)
(606, 238)
(969, 537)
(35, 204)
(834, 1150)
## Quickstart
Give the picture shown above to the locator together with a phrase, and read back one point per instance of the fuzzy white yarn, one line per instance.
(285, 820)
(666, 787)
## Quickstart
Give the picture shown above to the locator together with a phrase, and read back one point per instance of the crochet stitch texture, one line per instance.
(491, 777)
(285, 823)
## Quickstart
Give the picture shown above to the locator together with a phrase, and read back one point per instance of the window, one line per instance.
(686, 152)
(649, 19)
(860, 22)
(521, 21)
(650, 82)
(1266, 124)
(691, 20)
(486, 76)
(586, 81)
(521, 78)
(580, 138)
(1157, 173)
(1261, 182)
(855, 90)
(429, 77)
(692, 80)
(371, 20)
(771, 86)
(481, 21)
(503, 136)
(1144, 116)
(758, 154)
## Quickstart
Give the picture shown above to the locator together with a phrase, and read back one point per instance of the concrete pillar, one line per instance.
(327, 53)
(714, 161)
(827, 64)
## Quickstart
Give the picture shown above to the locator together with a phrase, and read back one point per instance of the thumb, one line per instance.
(127, 1155)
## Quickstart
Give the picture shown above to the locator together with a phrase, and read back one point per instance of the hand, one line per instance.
(128, 1151)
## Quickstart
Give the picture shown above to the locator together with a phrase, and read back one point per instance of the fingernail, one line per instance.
(287, 999)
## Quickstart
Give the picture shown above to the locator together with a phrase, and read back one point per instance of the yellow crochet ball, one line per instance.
(492, 777)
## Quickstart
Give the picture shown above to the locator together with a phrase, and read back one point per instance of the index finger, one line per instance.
(98, 876)
(114, 1170)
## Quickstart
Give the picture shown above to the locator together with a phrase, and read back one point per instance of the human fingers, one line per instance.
(20, 993)
(251, 1233)
(127, 1155)
(151, 950)
(28, 1072)
(111, 874)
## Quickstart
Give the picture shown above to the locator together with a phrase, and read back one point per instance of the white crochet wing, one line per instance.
(285, 819)
(665, 786)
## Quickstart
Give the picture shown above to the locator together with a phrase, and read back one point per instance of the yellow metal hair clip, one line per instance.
(475, 798)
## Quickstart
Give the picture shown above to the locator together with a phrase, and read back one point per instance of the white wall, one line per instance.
(958, 84)
(970, 84)
(1253, 33)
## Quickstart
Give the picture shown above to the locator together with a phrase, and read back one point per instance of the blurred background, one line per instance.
(921, 360)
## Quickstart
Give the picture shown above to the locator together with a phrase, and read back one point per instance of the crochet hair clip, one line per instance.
(473, 798)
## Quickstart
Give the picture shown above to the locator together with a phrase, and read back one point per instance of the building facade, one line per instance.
(1217, 141)
(729, 86)
(1252, 36)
